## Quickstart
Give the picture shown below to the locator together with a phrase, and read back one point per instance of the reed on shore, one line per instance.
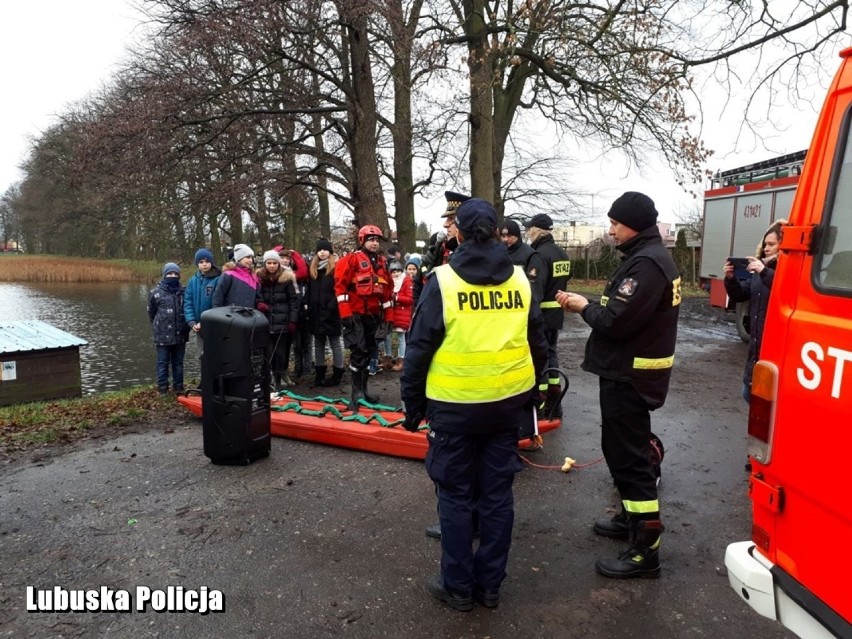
(63, 269)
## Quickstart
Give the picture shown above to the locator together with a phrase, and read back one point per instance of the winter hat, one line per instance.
(414, 259)
(241, 251)
(475, 213)
(395, 266)
(203, 254)
(540, 221)
(512, 228)
(170, 267)
(635, 210)
(324, 245)
(271, 256)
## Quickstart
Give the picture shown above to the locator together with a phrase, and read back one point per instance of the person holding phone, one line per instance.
(756, 291)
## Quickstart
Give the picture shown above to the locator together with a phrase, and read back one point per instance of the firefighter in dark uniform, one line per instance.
(549, 270)
(443, 244)
(631, 348)
(473, 351)
(364, 291)
(519, 251)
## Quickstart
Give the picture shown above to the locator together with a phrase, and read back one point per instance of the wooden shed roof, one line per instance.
(34, 335)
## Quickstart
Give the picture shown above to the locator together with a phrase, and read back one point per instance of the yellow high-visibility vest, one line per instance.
(485, 356)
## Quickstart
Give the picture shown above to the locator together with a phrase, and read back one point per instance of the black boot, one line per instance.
(436, 588)
(358, 377)
(319, 378)
(642, 558)
(617, 527)
(373, 399)
(552, 405)
(336, 377)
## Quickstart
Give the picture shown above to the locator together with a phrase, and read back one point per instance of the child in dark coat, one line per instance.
(165, 310)
(324, 316)
(281, 307)
(238, 286)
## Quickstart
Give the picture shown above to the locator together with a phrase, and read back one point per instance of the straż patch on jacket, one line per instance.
(628, 286)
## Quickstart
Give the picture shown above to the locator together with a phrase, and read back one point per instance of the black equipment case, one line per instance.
(235, 385)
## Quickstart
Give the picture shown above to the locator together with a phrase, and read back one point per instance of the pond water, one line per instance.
(111, 317)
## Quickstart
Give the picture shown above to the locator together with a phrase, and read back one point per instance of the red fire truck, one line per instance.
(739, 206)
(793, 569)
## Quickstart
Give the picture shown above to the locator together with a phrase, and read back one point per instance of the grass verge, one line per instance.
(28, 425)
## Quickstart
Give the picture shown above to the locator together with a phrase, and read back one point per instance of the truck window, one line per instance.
(835, 258)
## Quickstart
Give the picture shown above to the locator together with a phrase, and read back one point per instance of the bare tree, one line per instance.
(621, 72)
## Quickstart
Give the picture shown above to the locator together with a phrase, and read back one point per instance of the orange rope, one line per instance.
(561, 468)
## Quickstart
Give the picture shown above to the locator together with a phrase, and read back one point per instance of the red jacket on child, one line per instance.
(403, 304)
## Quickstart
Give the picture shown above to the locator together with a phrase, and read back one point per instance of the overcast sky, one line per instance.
(55, 52)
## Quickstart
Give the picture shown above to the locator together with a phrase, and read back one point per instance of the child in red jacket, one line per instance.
(403, 301)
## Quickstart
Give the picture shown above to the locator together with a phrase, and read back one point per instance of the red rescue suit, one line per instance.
(362, 285)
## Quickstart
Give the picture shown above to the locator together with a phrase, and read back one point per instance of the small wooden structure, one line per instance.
(38, 362)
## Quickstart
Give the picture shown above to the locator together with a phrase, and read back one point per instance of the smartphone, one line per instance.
(740, 263)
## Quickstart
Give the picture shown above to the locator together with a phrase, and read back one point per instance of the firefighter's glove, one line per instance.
(347, 324)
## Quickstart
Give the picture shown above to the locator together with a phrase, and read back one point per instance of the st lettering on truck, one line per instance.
(795, 568)
(739, 206)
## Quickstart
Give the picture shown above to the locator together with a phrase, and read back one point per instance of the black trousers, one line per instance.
(361, 340)
(279, 349)
(625, 441)
(474, 473)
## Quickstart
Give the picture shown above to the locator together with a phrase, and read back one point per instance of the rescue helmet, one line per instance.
(369, 230)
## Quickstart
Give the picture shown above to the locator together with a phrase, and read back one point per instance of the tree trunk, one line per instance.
(366, 187)
(481, 102)
(322, 182)
(403, 184)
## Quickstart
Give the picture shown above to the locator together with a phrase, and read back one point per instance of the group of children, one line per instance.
(297, 298)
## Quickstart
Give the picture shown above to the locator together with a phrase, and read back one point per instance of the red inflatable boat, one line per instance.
(329, 421)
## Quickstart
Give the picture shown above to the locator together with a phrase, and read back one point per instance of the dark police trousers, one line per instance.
(474, 472)
(625, 441)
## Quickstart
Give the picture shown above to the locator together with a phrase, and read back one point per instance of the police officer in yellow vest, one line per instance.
(474, 349)
(549, 270)
(631, 349)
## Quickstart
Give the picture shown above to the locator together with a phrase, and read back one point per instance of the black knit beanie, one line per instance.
(635, 210)
(512, 227)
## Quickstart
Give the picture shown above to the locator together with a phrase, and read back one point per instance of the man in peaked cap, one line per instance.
(548, 274)
(439, 252)
(454, 200)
